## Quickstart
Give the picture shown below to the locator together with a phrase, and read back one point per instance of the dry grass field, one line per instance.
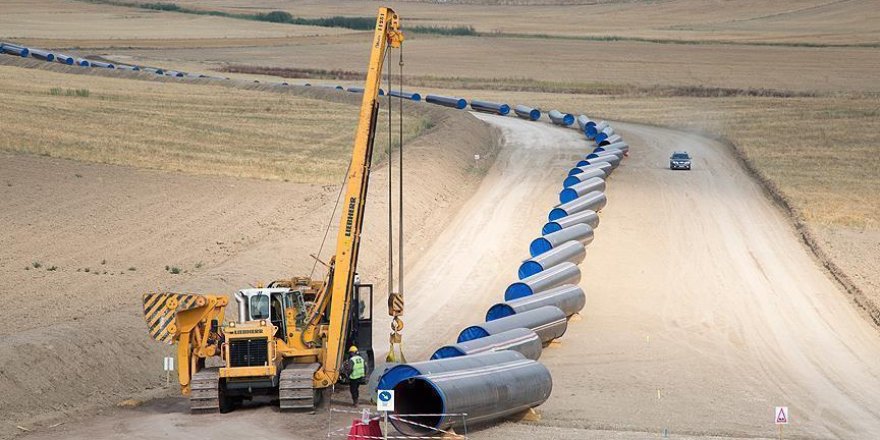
(743, 21)
(181, 127)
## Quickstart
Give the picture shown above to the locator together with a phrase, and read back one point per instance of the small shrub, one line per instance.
(175, 270)
(276, 17)
(52, 268)
(132, 269)
(36, 264)
(199, 265)
(103, 262)
(56, 91)
(86, 269)
(161, 6)
(167, 267)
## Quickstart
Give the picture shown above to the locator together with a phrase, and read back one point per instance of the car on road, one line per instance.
(680, 160)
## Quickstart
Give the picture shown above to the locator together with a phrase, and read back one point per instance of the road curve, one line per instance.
(704, 310)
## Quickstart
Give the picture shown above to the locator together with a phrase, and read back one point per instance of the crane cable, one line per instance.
(395, 301)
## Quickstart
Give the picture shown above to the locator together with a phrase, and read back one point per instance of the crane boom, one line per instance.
(387, 33)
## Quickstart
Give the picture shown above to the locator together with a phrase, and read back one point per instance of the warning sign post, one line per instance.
(780, 415)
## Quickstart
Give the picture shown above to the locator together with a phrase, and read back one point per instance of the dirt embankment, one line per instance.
(81, 242)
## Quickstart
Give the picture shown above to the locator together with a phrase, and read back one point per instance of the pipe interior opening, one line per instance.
(418, 396)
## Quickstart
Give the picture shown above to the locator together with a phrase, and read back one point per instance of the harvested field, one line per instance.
(744, 21)
(75, 21)
(181, 127)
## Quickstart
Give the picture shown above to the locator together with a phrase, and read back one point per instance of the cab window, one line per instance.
(259, 307)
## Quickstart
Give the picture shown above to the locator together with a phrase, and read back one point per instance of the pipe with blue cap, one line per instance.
(579, 232)
(581, 188)
(588, 217)
(401, 372)
(612, 160)
(565, 273)
(548, 322)
(568, 297)
(571, 251)
(613, 139)
(583, 175)
(593, 130)
(593, 201)
(490, 107)
(522, 340)
(604, 166)
(526, 112)
(405, 95)
(559, 118)
(447, 101)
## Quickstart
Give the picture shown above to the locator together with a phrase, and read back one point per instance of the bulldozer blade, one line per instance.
(160, 310)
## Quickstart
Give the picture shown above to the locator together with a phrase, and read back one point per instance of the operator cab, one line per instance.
(267, 303)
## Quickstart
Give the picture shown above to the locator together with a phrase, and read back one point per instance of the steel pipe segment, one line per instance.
(560, 118)
(568, 297)
(571, 251)
(613, 160)
(592, 131)
(447, 101)
(132, 68)
(581, 188)
(613, 139)
(565, 273)
(361, 90)
(604, 166)
(620, 152)
(64, 59)
(588, 217)
(601, 154)
(585, 175)
(44, 55)
(83, 62)
(490, 107)
(579, 232)
(15, 50)
(548, 322)
(594, 201)
(401, 372)
(521, 340)
(484, 394)
(526, 112)
(175, 73)
(154, 70)
(102, 64)
(583, 122)
(410, 96)
(622, 146)
(602, 135)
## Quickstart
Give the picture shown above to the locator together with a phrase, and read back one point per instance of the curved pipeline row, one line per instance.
(470, 376)
(492, 370)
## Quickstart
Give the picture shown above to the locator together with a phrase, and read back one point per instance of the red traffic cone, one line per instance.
(364, 431)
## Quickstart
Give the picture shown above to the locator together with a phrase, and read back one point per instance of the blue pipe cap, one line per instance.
(448, 351)
(541, 245)
(574, 171)
(570, 181)
(591, 131)
(416, 97)
(549, 228)
(395, 375)
(557, 214)
(601, 137)
(499, 311)
(568, 119)
(583, 163)
(567, 195)
(517, 290)
(596, 150)
(529, 268)
(471, 333)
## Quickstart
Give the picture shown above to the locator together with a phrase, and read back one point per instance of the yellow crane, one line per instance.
(291, 336)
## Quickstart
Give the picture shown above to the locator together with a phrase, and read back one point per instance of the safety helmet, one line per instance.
(352, 349)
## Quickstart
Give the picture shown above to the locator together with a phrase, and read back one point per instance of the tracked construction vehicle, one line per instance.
(291, 335)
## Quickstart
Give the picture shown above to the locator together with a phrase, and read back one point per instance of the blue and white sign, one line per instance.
(385, 400)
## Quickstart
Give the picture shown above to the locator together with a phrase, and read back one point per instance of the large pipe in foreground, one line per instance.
(44, 55)
(591, 132)
(581, 188)
(581, 232)
(560, 118)
(612, 159)
(447, 101)
(585, 175)
(593, 201)
(565, 273)
(483, 394)
(548, 322)
(568, 297)
(527, 112)
(604, 166)
(401, 372)
(613, 139)
(522, 340)
(588, 217)
(571, 251)
(490, 107)
(406, 95)
(64, 59)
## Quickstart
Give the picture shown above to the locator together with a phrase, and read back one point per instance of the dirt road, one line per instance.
(703, 313)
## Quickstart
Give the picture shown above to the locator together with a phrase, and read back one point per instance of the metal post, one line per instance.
(385, 430)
